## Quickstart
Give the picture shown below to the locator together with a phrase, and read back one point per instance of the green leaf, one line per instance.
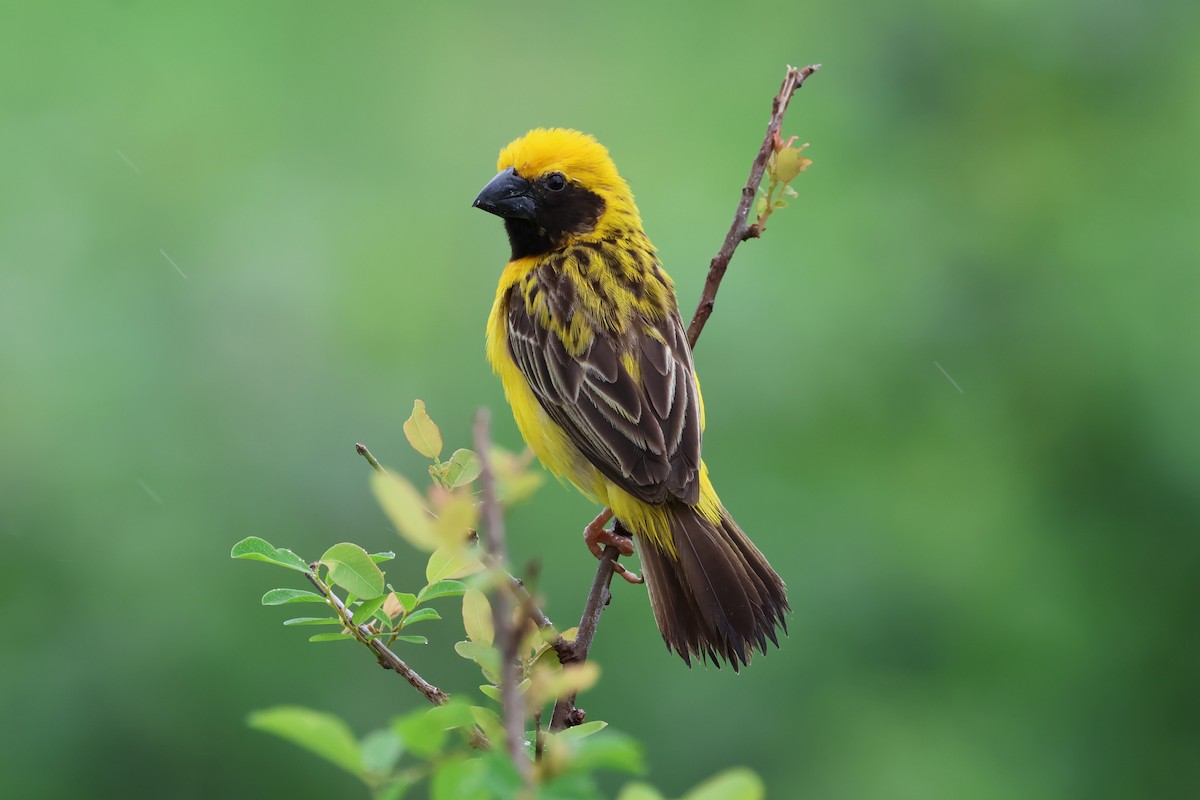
(514, 480)
(482, 654)
(448, 562)
(611, 751)
(550, 681)
(460, 779)
(420, 615)
(323, 734)
(312, 621)
(582, 731)
(456, 520)
(639, 791)
(256, 549)
(407, 601)
(422, 432)
(759, 208)
(412, 639)
(494, 691)
(490, 722)
(368, 608)
(396, 788)
(423, 732)
(351, 568)
(732, 784)
(332, 637)
(380, 751)
(405, 507)
(569, 787)
(441, 589)
(379, 558)
(789, 163)
(462, 467)
(277, 597)
(490, 776)
(477, 617)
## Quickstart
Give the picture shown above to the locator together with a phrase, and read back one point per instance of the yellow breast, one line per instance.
(547, 440)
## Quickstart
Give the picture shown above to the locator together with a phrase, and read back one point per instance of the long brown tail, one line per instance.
(719, 599)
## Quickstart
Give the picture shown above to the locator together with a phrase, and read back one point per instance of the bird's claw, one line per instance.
(629, 575)
(597, 537)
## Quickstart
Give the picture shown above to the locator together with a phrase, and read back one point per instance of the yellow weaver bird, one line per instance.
(586, 337)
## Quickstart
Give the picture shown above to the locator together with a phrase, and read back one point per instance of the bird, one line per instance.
(586, 338)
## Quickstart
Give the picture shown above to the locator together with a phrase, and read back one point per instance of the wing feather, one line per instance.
(644, 435)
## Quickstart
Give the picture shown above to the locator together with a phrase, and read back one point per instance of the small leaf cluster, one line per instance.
(370, 608)
(783, 166)
(433, 745)
(456, 745)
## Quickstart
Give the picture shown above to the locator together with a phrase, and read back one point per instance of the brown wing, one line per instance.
(645, 437)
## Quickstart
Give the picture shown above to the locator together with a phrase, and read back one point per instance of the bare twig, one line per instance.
(740, 231)
(565, 712)
(506, 632)
(386, 657)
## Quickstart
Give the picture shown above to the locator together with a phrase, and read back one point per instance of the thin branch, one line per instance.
(386, 657)
(362, 450)
(529, 610)
(525, 602)
(506, 632)
(566, 714)
(740, 231)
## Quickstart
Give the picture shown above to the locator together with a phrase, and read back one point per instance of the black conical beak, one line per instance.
(507, 195)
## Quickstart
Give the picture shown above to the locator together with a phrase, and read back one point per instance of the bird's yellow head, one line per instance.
(557, 187)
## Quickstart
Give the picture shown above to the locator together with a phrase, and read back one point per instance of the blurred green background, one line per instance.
(994, 580)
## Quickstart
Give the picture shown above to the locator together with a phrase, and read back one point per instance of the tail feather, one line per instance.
(718, 599)
(683, 625)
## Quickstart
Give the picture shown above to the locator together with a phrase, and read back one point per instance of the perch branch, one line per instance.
(566, 714)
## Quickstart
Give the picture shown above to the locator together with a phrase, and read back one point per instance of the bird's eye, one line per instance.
(555, 182)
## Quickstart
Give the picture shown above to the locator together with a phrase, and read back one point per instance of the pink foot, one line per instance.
(597, 537)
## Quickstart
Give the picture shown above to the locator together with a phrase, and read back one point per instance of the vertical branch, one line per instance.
(740, 231)
(565, 712)
(507, 633)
